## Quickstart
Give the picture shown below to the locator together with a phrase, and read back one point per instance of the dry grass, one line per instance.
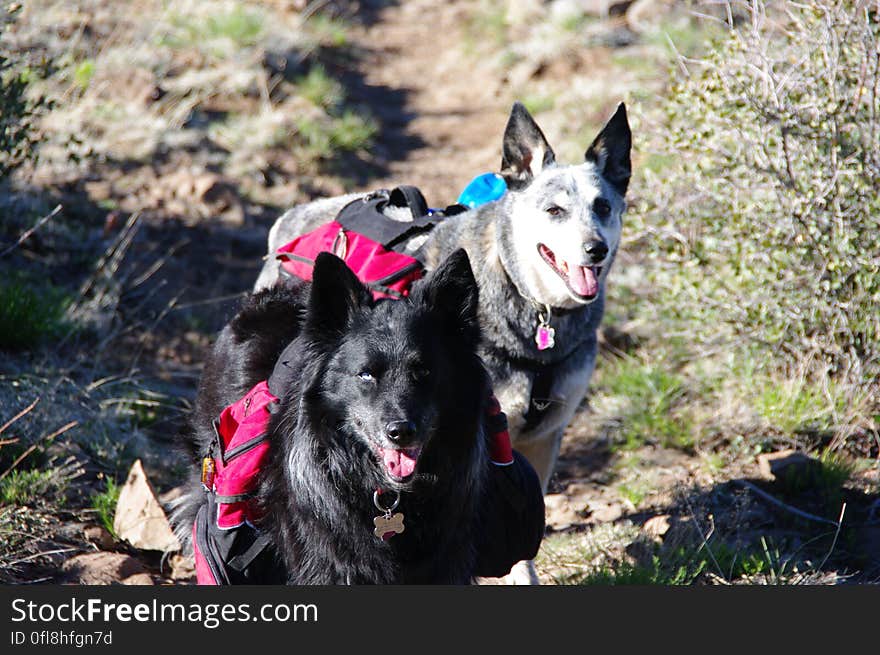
(158, 101)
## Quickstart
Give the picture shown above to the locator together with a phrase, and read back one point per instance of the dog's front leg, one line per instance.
(542, 453)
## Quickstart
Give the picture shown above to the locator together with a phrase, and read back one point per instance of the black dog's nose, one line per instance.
(400, 431)
(596, 250)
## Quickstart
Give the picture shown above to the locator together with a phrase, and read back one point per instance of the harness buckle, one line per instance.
(208, 473)
(340, 245)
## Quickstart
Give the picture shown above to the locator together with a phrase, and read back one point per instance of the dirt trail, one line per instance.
(452, 112)
(441, 112)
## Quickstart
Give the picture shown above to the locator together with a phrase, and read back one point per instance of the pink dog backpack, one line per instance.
(365, 238)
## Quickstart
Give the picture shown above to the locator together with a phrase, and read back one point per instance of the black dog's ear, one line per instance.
(452, 290)
(335, 296)
(525, 150)
(610, 151)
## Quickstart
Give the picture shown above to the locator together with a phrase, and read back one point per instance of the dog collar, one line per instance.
(387, 525)
(545, 335)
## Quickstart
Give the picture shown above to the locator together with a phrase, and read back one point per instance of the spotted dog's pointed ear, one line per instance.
(610, 151)
(525, 150)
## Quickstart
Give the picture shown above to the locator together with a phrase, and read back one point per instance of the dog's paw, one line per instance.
(522, 573)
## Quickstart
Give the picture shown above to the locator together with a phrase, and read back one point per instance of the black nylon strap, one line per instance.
(241, 561)
(539, 399)
(364, 215)
(409, 196)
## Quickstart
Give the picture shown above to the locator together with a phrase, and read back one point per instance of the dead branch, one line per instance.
(19, 415)
(27, 233)
(48, 437)
(775, 501)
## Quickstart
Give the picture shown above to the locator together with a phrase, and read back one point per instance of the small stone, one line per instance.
(138, 579)
(643, 15)
(605, 512)
(657, 526)
(787, 465)
(560, 514)
(101, 568)
(554, 501)
(99, 536)
(182, 568)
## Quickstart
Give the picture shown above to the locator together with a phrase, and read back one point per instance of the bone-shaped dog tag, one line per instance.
(388, 525)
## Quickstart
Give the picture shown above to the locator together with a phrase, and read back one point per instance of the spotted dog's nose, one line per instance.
(596, 250)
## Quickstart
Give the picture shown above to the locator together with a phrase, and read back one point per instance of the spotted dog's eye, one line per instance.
(366, 375)
(602, 207)
(420, 373)
(555, 210)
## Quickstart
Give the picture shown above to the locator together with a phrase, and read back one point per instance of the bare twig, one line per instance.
(27, 233)
(19, 415)
(165, 311)
(679, 58)
(705, 538)
(209, 301)
(794, 510)
(48, 437)
(43, 554)
(155, 266)
(110, 259)
(836, 534)
(312, 8)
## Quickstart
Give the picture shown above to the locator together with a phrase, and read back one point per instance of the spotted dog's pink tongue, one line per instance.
(583, 280)
(400, 463)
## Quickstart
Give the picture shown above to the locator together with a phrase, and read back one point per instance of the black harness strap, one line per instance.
(364, 215)
(241, 561)
(409, 196)
(539, 400)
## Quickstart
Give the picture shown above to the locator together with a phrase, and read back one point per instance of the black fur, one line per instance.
(243, 354)
(358, 365)
(523, 139)
(610, 150)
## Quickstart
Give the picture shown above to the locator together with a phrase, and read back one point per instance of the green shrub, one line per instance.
(324, 137)
(25, 487)
(328, 30)
(772, 194)
(320, 89)
(675, 571)
(104, 503)
(649, 398)
(29, 312)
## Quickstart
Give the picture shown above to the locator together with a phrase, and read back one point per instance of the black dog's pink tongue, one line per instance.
(400, 463)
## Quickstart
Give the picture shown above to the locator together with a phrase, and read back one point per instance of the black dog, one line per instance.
(380, 402)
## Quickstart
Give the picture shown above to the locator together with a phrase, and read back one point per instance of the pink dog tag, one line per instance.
(545, 337)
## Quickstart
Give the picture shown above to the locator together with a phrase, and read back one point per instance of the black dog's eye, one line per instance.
(366, 375)
(602, 207)
(555, 210)
(420, 373)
